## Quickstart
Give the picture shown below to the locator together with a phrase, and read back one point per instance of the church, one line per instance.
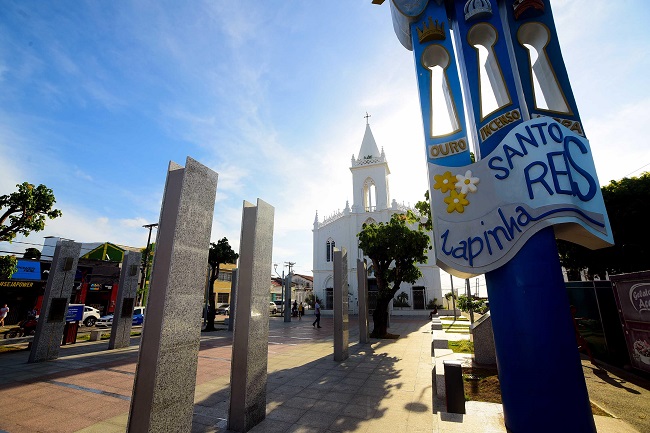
(371, 203)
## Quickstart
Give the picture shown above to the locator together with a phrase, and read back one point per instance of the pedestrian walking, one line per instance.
(3, 314)
(317, 312)
(300, 311)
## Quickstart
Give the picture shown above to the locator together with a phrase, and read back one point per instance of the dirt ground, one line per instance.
(482, 384)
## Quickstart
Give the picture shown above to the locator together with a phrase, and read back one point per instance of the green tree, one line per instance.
(220, 253)
(469, 303)
(401, 300)
(26, 210)
(628, 206)
(394, 250)
(8, 266)
(32, 253)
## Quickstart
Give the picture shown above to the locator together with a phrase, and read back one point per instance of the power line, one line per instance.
(637, 170)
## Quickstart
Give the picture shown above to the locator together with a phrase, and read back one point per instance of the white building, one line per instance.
(371, 204)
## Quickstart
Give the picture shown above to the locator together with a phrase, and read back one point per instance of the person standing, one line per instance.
(3, 314)
(300, 307)
(317, 312)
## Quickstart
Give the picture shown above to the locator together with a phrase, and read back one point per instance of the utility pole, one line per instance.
(146, 261)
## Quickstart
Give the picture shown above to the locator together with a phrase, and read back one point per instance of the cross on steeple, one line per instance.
(367, 116)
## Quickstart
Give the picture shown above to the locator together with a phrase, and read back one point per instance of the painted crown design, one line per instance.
(475, 9)
(431, 31)
(528, 8)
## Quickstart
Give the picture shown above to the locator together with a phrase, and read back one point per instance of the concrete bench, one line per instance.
(96, 334)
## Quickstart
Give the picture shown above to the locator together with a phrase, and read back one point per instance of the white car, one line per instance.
(107, 321)
(91, 315)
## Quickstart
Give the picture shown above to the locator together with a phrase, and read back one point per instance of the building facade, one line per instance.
(371, 203)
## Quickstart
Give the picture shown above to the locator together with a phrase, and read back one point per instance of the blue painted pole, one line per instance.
(542, 383)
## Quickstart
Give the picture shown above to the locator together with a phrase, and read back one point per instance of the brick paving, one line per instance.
(384, 385)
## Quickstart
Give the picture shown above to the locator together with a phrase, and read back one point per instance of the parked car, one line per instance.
(272, 307)
(107, 320)
(223, 309)
(91, 315)
(279, 306)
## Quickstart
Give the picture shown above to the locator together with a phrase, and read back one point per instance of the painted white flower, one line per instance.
(466, 183)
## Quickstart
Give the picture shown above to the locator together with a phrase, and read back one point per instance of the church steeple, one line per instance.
(370, 176)
(368, 148)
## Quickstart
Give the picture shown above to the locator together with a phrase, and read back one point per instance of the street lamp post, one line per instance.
(146, 261)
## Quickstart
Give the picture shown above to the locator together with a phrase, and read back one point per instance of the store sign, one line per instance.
(27, 270)
(541, 174)
(633, 300)
(75, 313)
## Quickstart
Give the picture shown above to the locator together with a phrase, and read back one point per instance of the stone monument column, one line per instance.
(341, 322)
(287, 298)
(49, 331)
(251, 333)
(126, 293)
(165, 378)
(362, 283)
(233, 300)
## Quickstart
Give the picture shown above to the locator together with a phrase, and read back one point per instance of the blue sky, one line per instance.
(97, 97)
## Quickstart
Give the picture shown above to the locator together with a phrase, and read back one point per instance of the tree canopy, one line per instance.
(26, 210)
(8, 266)
(32, 253)
(219, 253)
(394, 250)
(628, 206)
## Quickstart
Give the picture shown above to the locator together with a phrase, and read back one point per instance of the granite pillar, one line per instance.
(341, 322)
(49, 331)
(251, 333)
(165, 378)
(362, 283)
(126, 294)
(287, 298)
(233, 300)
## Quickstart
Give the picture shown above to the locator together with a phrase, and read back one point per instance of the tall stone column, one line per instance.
(126, 293)
(287, 298)
(341, 322)
(49, 331)
(163, 391)
(233, 300)
(251, 333)
(362, 283)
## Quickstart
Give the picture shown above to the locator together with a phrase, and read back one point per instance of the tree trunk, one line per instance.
(380, 318)
(212, 309)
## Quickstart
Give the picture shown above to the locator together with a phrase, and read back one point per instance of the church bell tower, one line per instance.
(369, 177)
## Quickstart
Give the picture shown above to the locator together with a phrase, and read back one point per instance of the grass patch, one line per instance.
(10, 348)
(461, 346)
(458, 318)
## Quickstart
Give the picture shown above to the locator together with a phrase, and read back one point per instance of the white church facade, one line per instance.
(371, 203)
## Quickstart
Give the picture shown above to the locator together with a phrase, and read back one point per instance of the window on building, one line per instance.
(222, 298)
(330, 250)
(224, 276)
(329, 298)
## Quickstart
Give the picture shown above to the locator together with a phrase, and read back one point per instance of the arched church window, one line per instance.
(547, 92)
(330, 250)
(493, 92)
(444, 118)
(369, 195)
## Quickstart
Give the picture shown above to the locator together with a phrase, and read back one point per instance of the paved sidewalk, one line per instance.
(383, 386)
